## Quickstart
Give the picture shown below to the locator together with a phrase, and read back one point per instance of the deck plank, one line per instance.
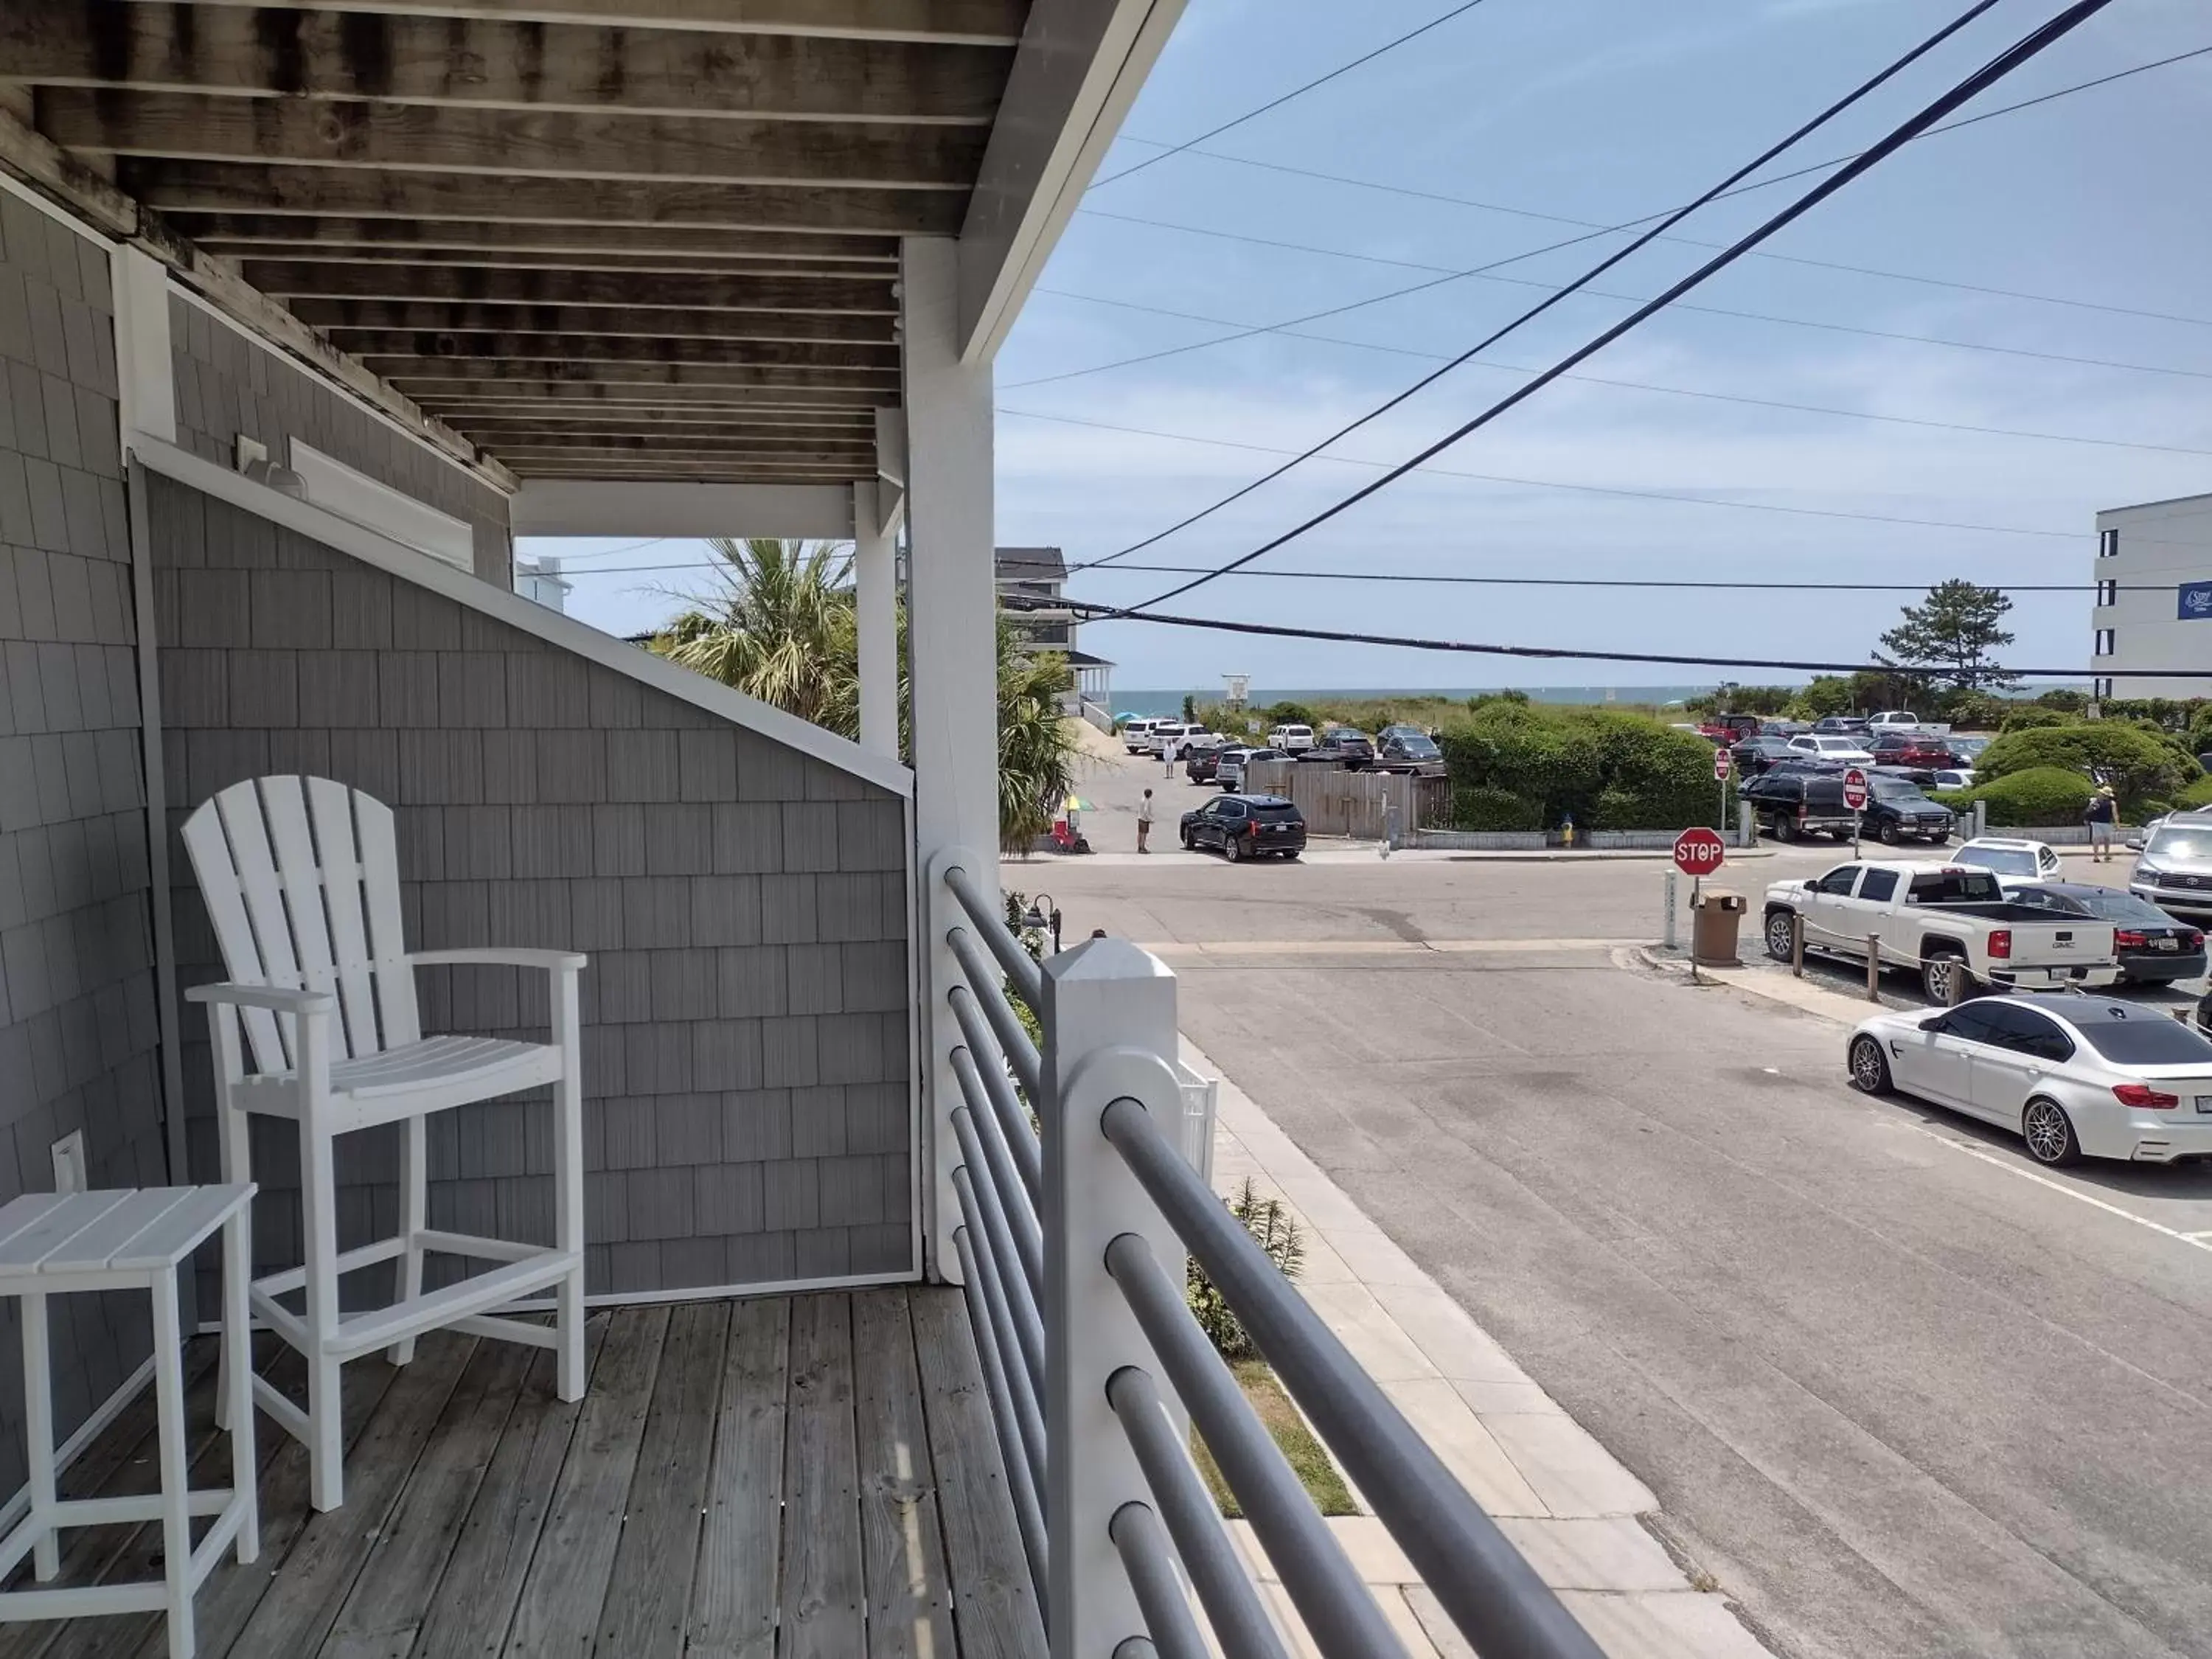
(408, 1557)
(483, 1575)
(823, 1615)
(995, 1609)
(908, 1600)
(558, 1614)
(734, 1595)
(648, 1600)
(320, 1570)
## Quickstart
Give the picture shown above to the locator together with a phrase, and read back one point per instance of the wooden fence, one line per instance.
(1337, 802)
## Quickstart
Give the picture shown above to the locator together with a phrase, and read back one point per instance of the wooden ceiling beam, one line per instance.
(235, 51)
(220, 186)
(642, 291)
(975, 23)
(660, 403)
(705, 423)
(594, 348)
(630, 241)
(799, 452)
(816, 156)
(341, 316)
(436, 376)
(482, 259)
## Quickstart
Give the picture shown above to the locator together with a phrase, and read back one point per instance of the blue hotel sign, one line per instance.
(2195, 602)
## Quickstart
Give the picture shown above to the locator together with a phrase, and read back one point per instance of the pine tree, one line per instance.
(1953, 632)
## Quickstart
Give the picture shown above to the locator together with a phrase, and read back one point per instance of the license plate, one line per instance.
(2169, 945)
(2205, 1103)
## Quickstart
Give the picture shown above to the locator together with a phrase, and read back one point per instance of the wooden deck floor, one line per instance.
(808, 1477)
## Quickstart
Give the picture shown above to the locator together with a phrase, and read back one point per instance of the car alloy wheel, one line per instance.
(1936, 977)
(1781, 936)
(1888, 833)
(1869, 1066)
(2049, 1132)
(1234, 848)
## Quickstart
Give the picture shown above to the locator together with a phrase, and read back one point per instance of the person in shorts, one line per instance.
(1143, 822)
(2103, 810)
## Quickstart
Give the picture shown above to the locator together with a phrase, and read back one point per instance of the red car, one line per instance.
(1909, 749)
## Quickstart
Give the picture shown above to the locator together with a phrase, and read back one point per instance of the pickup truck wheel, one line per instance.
(1889, 834)
(1785, 828)
(1937, 974)
(2049, 1133)
(1869, 1066)
(1780, 935)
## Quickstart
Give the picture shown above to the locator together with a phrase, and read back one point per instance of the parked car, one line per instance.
(2007, 855)
(1791, 801)
(1342, 746)
(1246, 826)
(1412, 753)
(1912, 748)
(1390, 731)
(2174, 871)
(1902, 720)
(1229, 770)
(2152, 947)
(1940, 921)
(1954, 777)
(1203, 765)
(1968, 750)
(1138, 735)
(1843, 750)
(1753, 756)
(1291, 739)
(1729, 728)
(1781, 728)
(1897, 811)
(1839, 725)
(2071, 1076)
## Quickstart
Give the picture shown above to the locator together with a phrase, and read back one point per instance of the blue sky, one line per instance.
(1603, 110)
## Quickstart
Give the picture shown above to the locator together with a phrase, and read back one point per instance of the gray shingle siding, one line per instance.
(78, 1034)
(745, 1045)
(227, 385)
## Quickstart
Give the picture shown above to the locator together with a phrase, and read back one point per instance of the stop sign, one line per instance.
(1855, 790)
(1721, 760)
(1698, 852)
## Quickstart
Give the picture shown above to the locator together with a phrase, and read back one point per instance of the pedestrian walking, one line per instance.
(2103, 810)
(1143, 822)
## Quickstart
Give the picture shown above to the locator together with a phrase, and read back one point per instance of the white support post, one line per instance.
(875, 584)
(145, 373)
(568, 1179)
(952, 657)
(1109, 1021)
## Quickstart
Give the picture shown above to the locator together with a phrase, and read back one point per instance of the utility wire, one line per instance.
(2024, 50)
(1783, 258)
(1861, 91)
(1342, 636)
(1629, 581)
(1646, 386)
(1295, 92)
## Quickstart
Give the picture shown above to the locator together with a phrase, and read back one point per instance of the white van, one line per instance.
(1291, 739)
(1137, 735)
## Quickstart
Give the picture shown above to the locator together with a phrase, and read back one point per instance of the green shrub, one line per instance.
(2198, 795)
(2040, 795)
(1485, 808)
(2064, 699)
(1276, 1233)
(2029, 717)
(1291, 713)
(1976, 711)
(2138, 764)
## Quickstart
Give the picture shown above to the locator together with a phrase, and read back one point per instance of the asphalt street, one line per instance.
(1899, 1391)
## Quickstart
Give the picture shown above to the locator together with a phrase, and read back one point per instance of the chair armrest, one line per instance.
(276, 999)
(553, 962)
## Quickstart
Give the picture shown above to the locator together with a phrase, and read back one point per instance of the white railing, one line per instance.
(1092, 1360)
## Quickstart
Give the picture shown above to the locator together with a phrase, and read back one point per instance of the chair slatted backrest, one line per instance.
(302, 880)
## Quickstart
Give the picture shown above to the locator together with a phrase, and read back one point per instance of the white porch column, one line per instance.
(875, 602)
(953, 665)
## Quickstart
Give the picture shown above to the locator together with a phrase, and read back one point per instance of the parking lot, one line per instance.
(1899, 1390)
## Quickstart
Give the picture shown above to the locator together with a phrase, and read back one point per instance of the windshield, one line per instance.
(1903, 791)
(1418, 748)
(2147, 1039)
(1955, 887)
(2005, 860)
(1834, 745)
(2116, 906)
(2189, 843)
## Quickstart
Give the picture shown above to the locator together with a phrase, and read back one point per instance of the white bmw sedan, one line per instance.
(2071, 1075)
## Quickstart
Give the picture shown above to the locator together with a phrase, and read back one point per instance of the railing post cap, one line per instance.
(1103, 959)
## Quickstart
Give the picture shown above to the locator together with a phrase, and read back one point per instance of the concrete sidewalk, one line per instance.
(1565, 1502)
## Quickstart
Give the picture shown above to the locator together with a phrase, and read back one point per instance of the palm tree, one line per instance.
(782, 627)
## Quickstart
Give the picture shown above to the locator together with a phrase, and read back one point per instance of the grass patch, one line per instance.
(1307, 1455)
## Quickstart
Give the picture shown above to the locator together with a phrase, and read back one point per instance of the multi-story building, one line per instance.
(2153, 602)
(1029, 581)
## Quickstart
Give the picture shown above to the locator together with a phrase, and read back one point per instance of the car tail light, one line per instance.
(1252, 828)
(2142, 1095)
(2128, 940)
(2195, 941)
(2001, 944)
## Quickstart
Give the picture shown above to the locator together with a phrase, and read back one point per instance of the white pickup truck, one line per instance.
(1938, 918)
(1902, 720)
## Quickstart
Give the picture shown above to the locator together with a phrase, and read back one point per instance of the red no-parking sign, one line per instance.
(1698, 852)
(1855, 790)
(1721, 760)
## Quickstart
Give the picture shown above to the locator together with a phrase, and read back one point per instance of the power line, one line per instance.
(1861, 91)
(1782, 258)
(2025, 50)
(1295, 92)
(1344, 636)
(1455, 581)
(1645, 386)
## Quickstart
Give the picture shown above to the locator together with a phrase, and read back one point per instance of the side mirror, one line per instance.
(1928, 1023)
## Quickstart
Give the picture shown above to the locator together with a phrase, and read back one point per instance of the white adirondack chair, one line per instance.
(302, 879)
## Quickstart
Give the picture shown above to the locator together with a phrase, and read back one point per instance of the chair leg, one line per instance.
(568, 1181)
(176, 1506)
(326, 1412)
(237, 1149)
(235, 1388)
(39, 1427)
(407, 1266)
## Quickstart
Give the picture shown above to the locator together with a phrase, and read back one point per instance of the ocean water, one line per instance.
(1150, 703)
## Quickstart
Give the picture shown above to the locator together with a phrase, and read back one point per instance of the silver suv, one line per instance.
(2174, 870)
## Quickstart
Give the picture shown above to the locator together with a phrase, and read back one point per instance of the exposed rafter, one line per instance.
(428, 374)
(841, 297)
(341, 316)
(591, 348)
(640, 241)
(976, 22)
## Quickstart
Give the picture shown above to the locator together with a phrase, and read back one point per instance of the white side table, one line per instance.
(134, 1239)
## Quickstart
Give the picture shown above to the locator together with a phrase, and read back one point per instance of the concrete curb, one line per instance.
(1567, 1503)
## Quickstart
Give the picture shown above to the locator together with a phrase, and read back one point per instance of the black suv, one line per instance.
(1246, 826)
(1791, 805)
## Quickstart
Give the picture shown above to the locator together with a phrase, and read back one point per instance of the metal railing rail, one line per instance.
(1021, 1482)
(1019, 1138)
(990, 921)
(1148, 1557)
(1014, 1041)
